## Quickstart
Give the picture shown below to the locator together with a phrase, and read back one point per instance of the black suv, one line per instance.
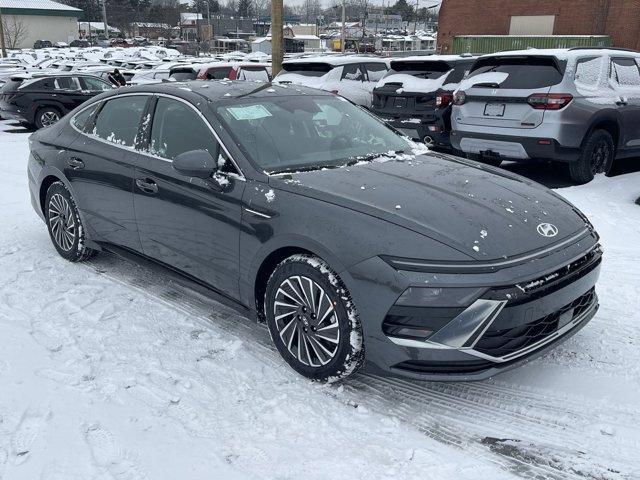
(42, 44)
(41, 100)
(415, 96)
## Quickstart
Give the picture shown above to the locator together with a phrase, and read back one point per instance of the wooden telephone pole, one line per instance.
(276, 36)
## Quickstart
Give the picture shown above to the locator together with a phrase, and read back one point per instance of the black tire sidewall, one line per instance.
(346, 353)
(76, 253)
(581, 171)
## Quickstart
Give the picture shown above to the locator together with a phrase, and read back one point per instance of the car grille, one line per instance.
(500, 343)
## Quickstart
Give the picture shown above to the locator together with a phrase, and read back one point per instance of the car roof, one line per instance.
(565, 53)
(220, 90)
(336, 60)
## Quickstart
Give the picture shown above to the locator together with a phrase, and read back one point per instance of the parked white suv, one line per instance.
(352, 77)
(580, 106)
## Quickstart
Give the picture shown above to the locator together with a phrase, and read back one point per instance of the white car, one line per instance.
(352, 77)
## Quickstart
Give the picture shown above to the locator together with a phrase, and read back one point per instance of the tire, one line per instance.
(64, 224)
(494, 162)
(295, 317)
(596, 156)
(47, 116)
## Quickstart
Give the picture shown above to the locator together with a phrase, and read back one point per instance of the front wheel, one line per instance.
(312, 319)
(64, 224)
(596, 156)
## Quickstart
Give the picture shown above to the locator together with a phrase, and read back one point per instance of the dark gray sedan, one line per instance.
(306, 212)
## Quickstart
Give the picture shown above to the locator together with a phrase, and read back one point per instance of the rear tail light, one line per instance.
(335, 92)
(444, 99)
(549, 101)
(233, 74)
(459, 98)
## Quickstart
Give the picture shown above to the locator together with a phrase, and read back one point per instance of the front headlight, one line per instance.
(439, 297)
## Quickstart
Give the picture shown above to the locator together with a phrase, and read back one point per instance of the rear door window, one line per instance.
(624, 72)
(248, 73)
(218, 73)
(375, 71)
(119, 119)
(353, 71)
(94, 84)
(588, 71)
(522, 72)
(66, 83)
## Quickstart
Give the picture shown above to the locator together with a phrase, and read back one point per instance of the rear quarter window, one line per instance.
(522, 72)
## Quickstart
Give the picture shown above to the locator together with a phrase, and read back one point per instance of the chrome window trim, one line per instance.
(237, 176)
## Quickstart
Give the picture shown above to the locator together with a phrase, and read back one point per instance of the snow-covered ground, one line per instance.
(107, 371)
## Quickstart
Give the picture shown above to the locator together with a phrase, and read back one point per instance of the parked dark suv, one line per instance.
(415, 96)
(40, 101)
(42, 44)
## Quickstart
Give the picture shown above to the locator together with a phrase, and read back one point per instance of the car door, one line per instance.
(624, 75)
(99, 169)
(69, 92)
(188, 223)
(93, 85)
(352, 84)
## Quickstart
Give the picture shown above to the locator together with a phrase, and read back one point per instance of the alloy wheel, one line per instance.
(48, 118)
(62, 222)
(307, 321)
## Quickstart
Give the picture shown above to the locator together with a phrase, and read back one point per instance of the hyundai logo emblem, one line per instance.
(547, 230)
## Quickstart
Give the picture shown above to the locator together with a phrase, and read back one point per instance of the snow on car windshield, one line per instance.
(304, 132)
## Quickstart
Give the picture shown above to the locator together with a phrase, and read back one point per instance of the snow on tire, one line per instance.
(312, 319)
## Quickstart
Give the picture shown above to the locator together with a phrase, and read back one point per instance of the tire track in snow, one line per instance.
(522, 430)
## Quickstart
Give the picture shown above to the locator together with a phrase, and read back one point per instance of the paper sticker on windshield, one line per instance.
(249, 112)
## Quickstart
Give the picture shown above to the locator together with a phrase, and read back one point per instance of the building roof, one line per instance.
(37, 5)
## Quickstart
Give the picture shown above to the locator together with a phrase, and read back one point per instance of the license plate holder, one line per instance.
(494, 109)
(400, 102)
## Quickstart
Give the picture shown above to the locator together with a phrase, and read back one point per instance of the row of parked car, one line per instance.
(578, 106)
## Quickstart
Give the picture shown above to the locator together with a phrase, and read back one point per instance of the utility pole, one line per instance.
(343, 32)
(104, 18)
(276, 36)
(4, 49)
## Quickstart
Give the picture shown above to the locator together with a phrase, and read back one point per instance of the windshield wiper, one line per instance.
(352, 161)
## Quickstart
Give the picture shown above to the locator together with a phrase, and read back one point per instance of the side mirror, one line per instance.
(196, 163)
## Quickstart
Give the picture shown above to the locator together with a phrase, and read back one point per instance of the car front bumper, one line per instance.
(499, 331)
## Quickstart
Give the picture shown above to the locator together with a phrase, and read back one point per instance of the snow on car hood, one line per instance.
(486, 215)
(413, 84)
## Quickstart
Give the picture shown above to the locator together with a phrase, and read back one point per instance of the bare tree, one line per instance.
(15, 31)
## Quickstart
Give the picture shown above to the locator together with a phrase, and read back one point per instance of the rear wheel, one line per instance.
(596, 156)
(64, 224)
(47, 116)
(312, 319)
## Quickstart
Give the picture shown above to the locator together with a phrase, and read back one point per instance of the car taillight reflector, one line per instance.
(549, 101)
(459, 98)
(443, 99)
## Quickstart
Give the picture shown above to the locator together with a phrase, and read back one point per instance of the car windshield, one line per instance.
(304, 132)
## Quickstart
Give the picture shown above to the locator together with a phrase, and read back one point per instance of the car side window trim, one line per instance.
(140, 146)
(145, 151)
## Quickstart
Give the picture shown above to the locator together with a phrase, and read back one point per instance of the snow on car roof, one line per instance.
(336, 60)
(564, 53)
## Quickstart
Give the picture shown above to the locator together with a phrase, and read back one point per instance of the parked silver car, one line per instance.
(580, 106)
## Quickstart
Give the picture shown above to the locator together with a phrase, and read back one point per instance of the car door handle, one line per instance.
(147, 185)
(75, 163)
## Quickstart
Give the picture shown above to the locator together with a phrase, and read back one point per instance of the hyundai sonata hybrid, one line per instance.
(300, 209)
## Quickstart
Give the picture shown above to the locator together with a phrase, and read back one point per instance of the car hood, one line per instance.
(482, 212)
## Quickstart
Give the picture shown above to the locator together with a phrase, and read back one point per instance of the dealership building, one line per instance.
(617, 19)
(26, 21)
